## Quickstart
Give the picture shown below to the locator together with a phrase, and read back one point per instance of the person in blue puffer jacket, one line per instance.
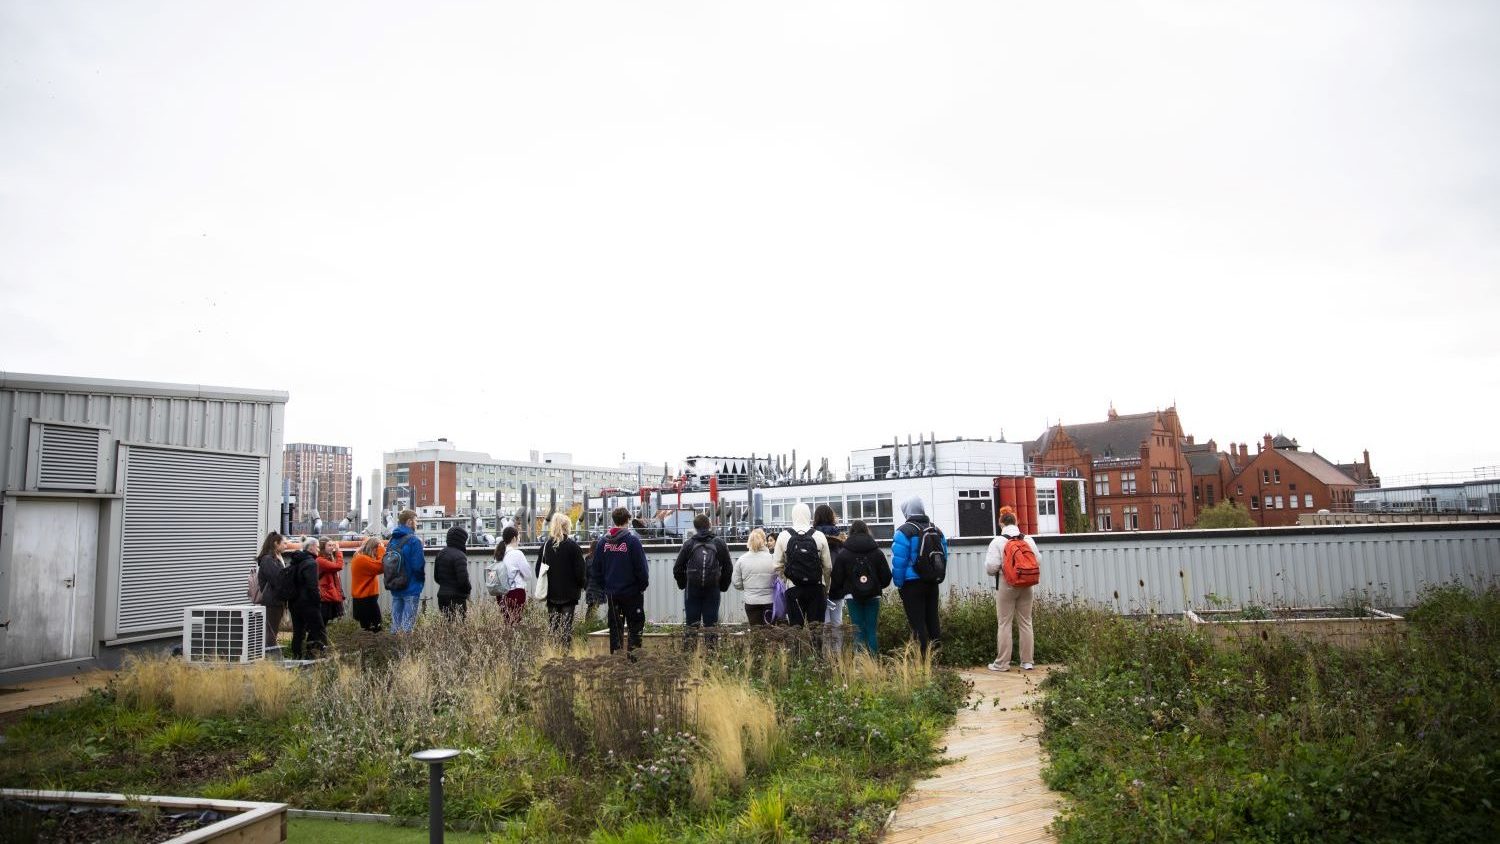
(918, 597)
(405, 602)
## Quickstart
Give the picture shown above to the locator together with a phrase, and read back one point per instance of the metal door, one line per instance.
(53, 560)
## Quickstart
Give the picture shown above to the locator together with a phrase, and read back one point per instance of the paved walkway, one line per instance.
(993, 790)
(23, 696)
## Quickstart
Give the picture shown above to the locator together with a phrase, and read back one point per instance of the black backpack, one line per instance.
(284, 586)
(931, 563)
(804, 564)
(393, 568)
(863, 584)
(703, 564)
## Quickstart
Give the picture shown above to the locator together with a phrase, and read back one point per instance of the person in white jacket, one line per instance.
(807, 587)
(754, 573)
(1011, 602)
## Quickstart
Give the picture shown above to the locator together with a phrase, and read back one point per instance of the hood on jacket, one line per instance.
(706, 535)
(458, 537)
(860, 543)
(801, 518)
(401, 532)
(1010, 530)
(913, 507)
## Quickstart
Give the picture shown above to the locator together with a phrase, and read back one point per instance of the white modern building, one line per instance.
(468, 483)
(125, 502)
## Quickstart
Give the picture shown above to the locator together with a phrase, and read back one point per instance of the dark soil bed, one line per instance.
(47, 823)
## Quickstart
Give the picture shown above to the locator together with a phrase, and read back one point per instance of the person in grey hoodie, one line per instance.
(918, 597)
(807, 579)
(451, 571)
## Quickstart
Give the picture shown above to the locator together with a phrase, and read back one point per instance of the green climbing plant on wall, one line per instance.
(1074, 521)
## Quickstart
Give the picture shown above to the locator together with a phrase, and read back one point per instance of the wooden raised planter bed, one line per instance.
(1322, 624)
(226, 821)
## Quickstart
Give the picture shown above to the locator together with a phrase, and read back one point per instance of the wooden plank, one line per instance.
(992, 791)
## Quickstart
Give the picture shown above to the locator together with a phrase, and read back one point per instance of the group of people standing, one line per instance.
(811, 573)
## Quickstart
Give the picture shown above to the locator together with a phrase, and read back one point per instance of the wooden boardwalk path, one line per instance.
(994, 792)
(23, 696)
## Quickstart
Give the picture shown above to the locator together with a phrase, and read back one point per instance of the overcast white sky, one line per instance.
(674, 228)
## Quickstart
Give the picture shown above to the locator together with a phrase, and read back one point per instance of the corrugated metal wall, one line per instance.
(220, 504)
(1136, 572)
(212, 423)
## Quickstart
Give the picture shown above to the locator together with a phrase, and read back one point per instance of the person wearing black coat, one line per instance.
(451, 571)
(861, 572)
(701, 599)
(567, 578)
(306, 605)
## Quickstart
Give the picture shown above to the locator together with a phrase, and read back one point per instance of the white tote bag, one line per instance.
(539, 592)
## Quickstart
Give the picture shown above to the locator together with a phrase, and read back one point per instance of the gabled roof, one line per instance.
(1322, 471)
(1283, 441)
(1203, 462)
(1118, 437)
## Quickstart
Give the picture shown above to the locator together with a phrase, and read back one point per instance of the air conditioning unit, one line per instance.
(230, 633)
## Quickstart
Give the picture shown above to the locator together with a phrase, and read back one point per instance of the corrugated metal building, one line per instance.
(123, 503)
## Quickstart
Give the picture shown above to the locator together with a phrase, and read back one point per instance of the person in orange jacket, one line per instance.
(330, 593)
(364, 583)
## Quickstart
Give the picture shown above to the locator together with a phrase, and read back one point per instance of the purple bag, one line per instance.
(778, 600)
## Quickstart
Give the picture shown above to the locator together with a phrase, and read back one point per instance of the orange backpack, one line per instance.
(1020, 566)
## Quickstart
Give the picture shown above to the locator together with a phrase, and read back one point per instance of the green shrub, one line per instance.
(969, 625)
(1159, 736)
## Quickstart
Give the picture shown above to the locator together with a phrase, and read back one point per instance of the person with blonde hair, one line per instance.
(754, 572)
(364, 584)
(565, 576)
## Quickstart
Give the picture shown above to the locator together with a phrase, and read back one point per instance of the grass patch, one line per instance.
(316, 831)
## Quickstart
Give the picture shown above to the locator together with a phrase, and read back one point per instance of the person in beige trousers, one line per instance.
(1011, 603)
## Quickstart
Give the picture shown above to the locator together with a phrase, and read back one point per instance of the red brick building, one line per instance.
(320, 477)
(1211, 471)
(1138, 475)
(1282, 482)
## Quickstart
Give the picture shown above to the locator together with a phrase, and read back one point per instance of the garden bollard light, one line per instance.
(434, 759)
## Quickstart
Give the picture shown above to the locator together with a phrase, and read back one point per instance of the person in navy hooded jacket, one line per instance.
(620, 565)
(918, 597)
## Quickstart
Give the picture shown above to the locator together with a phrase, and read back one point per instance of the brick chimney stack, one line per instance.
(1265, 443)
(1244, 453)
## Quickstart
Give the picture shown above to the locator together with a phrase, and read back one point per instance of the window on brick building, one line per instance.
(1156, 517)
(1255, 502)
(1209, 497)
(1131, 518)
(1278, 502)
(1197, 493)
(1291, 487)
(1101, 484)
(1102, 520)
(1239, 489)
(1307, 500)
(1154, 487)
(1172, 480)
(1127, 483)
(1176, 517)
(1265, 476)
(1275, 476)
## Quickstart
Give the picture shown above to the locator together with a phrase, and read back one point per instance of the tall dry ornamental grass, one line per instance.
(205, 689)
